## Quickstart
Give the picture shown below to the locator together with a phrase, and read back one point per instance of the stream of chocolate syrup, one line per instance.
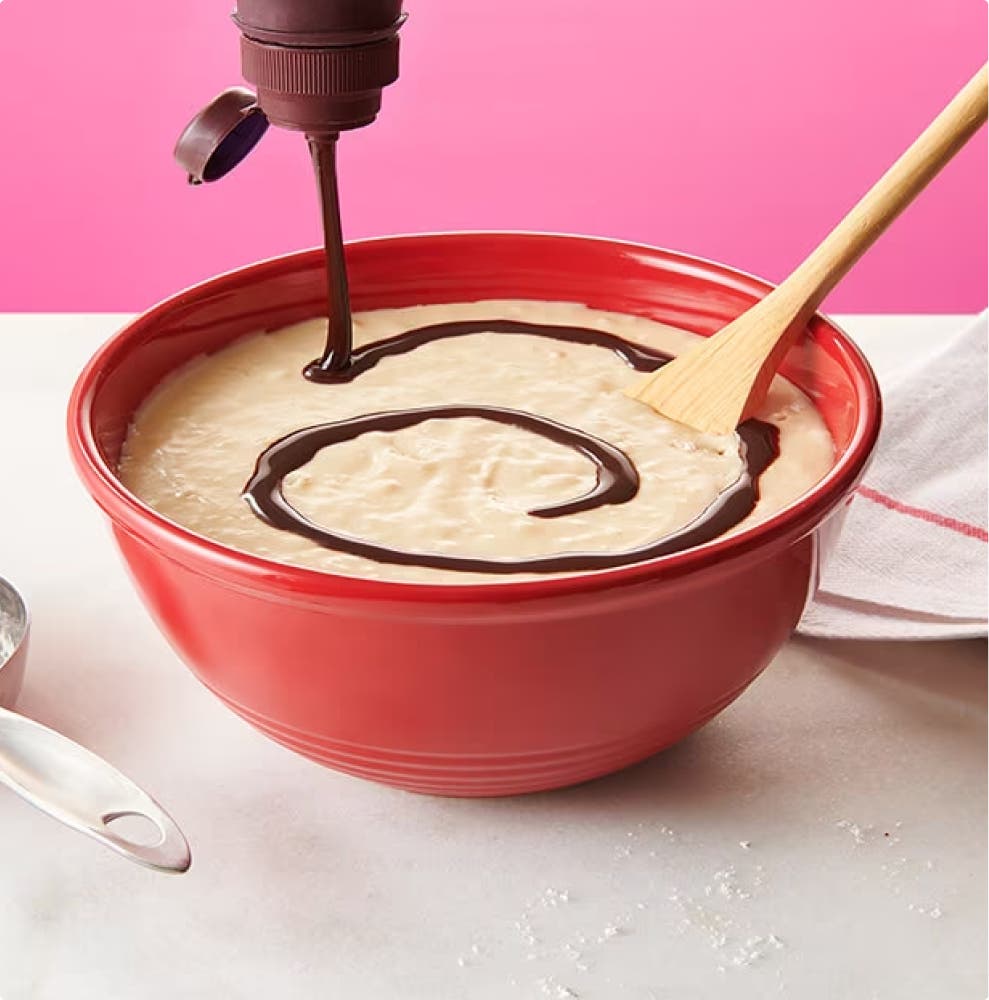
(339, 330)
(616, 482)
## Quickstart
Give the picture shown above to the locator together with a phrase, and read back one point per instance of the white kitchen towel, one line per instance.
(912, 555)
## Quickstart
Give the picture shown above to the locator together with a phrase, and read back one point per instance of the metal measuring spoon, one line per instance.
(64, 779)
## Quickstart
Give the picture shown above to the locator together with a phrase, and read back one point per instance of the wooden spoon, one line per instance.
(723, 381)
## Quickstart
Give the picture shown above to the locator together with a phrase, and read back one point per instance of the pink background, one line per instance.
(738, 131)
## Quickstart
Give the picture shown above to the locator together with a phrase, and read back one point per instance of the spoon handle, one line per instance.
(837, 253)
(84, 792)
(725, 380)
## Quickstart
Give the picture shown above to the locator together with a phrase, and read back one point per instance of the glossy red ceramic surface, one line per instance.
(484, 689)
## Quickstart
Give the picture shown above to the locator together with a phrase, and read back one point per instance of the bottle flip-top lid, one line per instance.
(220, 135)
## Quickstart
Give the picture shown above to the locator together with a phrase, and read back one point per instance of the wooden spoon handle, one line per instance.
(892, 193)
(725, 380)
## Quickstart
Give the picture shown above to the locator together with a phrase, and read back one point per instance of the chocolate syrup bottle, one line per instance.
(319, 67)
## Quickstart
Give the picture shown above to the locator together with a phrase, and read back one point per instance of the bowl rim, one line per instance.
(242, 569)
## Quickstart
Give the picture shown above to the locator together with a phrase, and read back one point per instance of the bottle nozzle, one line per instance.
(319, 65)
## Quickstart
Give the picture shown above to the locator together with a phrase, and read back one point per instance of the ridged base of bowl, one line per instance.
(472, 775)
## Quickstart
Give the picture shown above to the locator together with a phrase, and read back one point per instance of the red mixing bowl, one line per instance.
(480, 689)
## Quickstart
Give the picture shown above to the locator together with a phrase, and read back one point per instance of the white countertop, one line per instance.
(824, 838)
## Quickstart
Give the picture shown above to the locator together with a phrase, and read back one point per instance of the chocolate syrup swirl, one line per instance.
(617, 481)
(616, 478)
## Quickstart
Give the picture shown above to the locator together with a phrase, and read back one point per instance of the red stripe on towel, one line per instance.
(951, 523)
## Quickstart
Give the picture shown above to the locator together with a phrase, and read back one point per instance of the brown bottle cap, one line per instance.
(319, 65)
(221, 135)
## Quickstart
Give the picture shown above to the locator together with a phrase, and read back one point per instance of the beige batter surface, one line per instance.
(451, 486)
